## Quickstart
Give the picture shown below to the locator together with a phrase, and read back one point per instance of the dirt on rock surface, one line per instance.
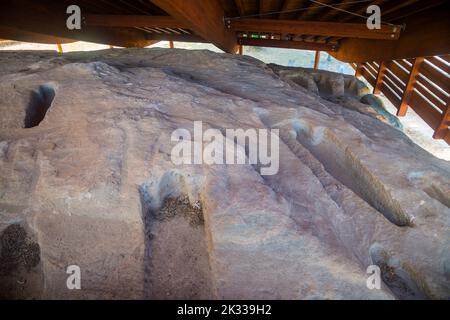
(17, 250)
(19, 258)
(178, 262)
(92, 181)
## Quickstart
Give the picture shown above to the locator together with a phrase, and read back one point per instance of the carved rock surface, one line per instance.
(86, 179)
(346, 90)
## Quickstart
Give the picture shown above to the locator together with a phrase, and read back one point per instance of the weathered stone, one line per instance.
(344, 90)
(377, 104)
(95, 183)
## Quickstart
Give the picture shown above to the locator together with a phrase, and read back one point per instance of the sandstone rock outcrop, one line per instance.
(86, 179)
(346, 90)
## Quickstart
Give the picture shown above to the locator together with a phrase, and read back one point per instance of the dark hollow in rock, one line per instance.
(17, 250)
(436, 193)
(176, 254)
(40, 102)
(403, 281)
(346, 168)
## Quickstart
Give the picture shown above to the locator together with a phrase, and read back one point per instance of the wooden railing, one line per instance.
(421, 83)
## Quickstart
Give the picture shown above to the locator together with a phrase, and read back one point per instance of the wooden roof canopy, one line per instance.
(303, 24)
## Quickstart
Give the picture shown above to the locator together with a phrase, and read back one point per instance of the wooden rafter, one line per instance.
(132, 21)
(240, 7)
(267, 6)
(175, 37)
(393, 6)
(289, 5)
(415, 8)
(30, 16)
(314, 10)
(205, 18)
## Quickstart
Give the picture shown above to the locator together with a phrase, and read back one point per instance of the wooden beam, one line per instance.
(350, 18)
(426, 34)
(48, 18)
(380, 76)
(409, 87)
(412, 7)
(395, 6)
(317, 28)
(112, 20)
(288, 6)
(268, 6)
(240, 7)
(205, 18)
(314, 10)
(288, 44)
(442, 131)
(10, 33)
(316, 60)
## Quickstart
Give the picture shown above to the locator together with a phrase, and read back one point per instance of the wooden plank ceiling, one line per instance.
(307, 24)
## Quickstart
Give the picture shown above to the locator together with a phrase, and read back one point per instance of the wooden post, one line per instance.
(380, 76)
(60, 49)
(317, 60)
(171, 46)
(409, 87)
(358, 70)
(241, 49)
(441, 131)
(111, 47)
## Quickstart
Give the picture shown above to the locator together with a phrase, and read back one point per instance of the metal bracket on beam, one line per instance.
(313, 28)
(288, 44)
